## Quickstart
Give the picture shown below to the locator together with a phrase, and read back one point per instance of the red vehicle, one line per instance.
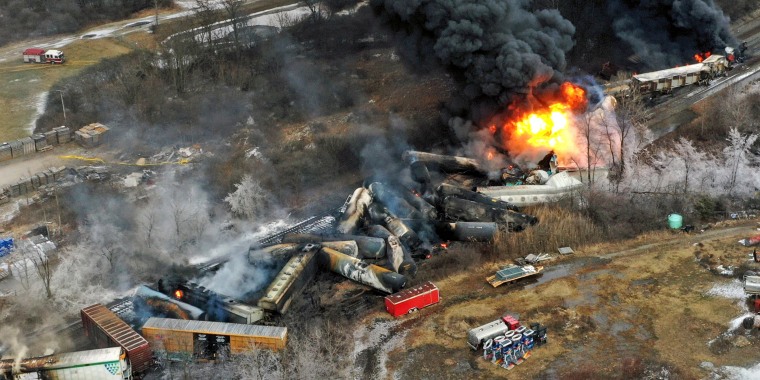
(511, 322)
(36, 55)
(106, 329)
(410, 300)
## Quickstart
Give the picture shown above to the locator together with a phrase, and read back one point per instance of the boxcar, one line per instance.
(106, 329)
(182, 339)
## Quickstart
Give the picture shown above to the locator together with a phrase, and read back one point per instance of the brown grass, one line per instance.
(556, 228)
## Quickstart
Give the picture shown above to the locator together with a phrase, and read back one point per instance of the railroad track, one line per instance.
(314, 224)
(123, 307)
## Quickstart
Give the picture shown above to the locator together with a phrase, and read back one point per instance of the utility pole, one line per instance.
(62, 106)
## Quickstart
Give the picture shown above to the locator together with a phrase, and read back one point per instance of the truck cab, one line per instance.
(54, 56)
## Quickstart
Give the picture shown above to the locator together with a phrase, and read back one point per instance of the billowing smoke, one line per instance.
(665, 33)
(243, 275)
(496, 47)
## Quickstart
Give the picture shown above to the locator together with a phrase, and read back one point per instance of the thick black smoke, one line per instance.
(496, 47)
(665, 33)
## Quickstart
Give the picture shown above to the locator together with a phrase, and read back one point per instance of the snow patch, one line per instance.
(377, 335)
(730, 290)
(735, 373)
(41, 104)
(255, 152)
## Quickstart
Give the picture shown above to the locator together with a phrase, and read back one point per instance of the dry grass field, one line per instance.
(25, 86)
(614, 311)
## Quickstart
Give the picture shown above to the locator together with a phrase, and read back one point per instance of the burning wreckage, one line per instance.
(376, 239)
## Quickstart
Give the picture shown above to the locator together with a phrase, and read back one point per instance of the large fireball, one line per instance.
(545, 124)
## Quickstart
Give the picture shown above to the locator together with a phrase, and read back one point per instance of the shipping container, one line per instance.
(5, 152)
(102, 364)
(17, 149)
(182, 339)
(51, 138)
(106, 329)
(413, 299)
(40, 143)
(28, 145)
(63, 134)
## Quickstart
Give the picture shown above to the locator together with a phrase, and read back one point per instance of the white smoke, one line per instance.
(238, 277)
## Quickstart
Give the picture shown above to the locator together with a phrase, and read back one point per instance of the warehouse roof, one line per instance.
(205, 327)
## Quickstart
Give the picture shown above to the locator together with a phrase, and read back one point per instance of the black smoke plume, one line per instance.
(495, 48)
(666, 33)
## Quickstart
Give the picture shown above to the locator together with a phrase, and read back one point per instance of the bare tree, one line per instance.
(111, 254)
(206, 15)
(315, 9)
(44, 270)
(736, 154)
(735, 109)
(690, 156)
(176, 56)
(249, 199)
(631, 115)
(32, 256)
(592, 146)
(148, 224)
(233, 8)
(21, 271)
(180, 214)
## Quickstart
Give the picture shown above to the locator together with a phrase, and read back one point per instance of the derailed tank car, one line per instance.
(179, 339)
(103, 364)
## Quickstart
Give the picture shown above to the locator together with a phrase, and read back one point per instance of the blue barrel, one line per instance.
(675, 221)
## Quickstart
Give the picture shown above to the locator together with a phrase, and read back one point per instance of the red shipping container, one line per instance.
(106, 329)
(511, 322)
(413, 299)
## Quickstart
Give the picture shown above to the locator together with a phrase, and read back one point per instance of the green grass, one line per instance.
(23, 84)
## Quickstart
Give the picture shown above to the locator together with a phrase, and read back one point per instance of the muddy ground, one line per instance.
(632, 310)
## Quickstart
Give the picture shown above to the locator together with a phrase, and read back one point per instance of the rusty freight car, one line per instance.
(181, 339)
(106, 329)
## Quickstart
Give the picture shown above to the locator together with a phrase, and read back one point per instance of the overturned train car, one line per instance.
(665, 81)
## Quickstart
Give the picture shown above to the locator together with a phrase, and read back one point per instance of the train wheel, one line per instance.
(412, 310)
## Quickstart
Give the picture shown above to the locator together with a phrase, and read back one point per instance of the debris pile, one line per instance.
(385, 226)
(91, 135)
(506, 342)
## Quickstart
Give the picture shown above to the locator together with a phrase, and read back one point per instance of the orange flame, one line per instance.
(547, 127)
(178, 294)
(699, 57)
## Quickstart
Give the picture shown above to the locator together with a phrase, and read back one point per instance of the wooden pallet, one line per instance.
(495, 281)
